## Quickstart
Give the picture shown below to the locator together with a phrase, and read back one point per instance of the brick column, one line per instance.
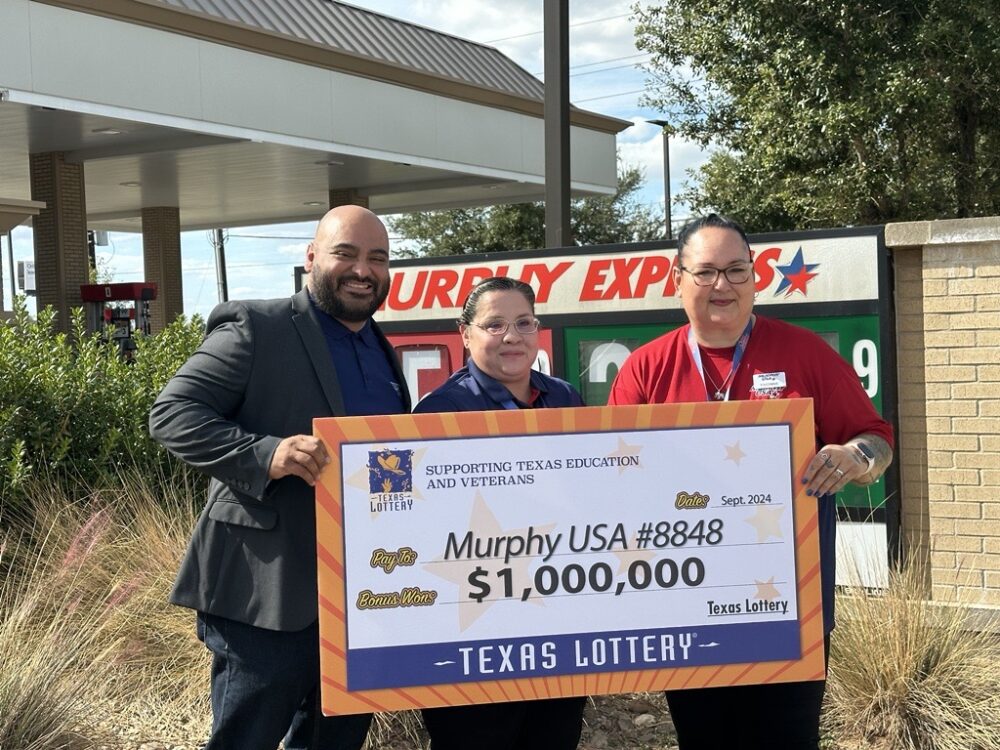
(161, 256)
(60, 233)
(349, 197)
(911, 443)
(952, 393)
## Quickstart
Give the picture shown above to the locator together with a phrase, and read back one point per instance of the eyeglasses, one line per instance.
(498, 327)
(734, 274)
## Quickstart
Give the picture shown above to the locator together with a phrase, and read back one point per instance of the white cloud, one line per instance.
(296, 250)
(644, 148)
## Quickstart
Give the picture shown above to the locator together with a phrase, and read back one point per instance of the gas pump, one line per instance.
(118, 311)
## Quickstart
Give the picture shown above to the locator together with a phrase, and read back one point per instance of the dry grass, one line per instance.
(49, 647)
(908, 675)
(92, 655)
(87, 637)
(91, 652)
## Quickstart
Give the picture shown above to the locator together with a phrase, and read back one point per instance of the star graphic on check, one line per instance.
(734, 453)
(767, 521)
(628, 556)
(766, 590)
(484, 525)
(623, 450)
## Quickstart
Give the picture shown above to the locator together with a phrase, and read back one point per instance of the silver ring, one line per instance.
(839, 473)
(826, 458)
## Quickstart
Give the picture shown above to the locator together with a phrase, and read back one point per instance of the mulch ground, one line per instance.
(611, 722)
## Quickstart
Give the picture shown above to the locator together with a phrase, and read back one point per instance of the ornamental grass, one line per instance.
(907, 674)
(91, 652)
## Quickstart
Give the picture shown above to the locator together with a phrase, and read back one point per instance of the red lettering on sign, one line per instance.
(655, 268)
(472, 276)
(670, 288)
(396, 301)
(441, 281)
(594, 280)
(620, 287)
(546, 277)
(763, 266)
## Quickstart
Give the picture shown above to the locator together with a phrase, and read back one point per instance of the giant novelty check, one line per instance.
(509, 555)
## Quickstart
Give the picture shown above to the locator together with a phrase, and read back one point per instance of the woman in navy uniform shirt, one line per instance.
(499, 329)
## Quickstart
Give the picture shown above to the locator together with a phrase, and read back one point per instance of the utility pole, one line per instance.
(10, 258)
(219, 243)
(557, 184)
(666, 130)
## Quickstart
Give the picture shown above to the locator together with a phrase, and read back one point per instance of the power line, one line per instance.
(600, 62)
(270, 237)
(608, 96)
(572, 25)
(602, 70)
(610, 59)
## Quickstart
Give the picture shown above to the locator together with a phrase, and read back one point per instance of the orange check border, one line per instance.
(337, 699)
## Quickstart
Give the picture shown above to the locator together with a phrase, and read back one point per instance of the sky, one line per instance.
(605, 77)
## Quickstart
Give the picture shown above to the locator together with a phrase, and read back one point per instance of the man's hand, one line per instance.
(303, 456)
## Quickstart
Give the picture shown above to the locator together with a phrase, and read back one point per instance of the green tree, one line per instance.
(594, 221)
(825, 112)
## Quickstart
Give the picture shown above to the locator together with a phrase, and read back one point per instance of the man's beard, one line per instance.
(342, 307)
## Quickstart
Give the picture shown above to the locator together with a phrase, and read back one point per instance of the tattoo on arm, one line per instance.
(883, 456)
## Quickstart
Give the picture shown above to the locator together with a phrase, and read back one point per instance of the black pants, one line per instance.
(265, 688)
(553, 724)
(777, 716)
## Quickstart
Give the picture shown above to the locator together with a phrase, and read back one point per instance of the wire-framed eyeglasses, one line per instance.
(498, 327)
(734, 274)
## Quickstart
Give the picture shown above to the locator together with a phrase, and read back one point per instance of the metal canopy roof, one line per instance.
(366, 33)
(246, 112)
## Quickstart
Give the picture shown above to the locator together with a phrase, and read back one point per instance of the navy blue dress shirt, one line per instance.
(471, 389)
(367, 381)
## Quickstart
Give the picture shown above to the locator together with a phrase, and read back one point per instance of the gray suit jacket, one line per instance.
(262, 374)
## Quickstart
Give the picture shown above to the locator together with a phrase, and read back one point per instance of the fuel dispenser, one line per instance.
(118, 311)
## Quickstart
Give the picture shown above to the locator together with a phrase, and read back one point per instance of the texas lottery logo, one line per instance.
(390, 480)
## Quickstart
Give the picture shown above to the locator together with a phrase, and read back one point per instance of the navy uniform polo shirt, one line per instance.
(471, 389)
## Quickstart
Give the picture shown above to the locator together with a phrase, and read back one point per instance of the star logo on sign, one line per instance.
(795, 276)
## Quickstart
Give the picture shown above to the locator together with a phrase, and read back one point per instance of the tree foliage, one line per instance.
(593, 221)
(828, 112)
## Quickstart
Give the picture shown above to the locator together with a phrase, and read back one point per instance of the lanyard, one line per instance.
(741, 347)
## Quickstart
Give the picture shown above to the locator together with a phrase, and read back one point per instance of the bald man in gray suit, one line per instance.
(241, 410)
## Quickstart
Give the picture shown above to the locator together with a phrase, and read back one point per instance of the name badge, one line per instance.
(768, 381)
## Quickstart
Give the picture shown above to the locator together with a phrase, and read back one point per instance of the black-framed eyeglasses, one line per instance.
(498, 327)
(734, 274)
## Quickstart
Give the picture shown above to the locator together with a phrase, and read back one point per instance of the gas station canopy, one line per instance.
(257, 111)
(15, 212)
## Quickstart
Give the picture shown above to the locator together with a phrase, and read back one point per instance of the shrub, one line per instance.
(907, 674)
(72, 410)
